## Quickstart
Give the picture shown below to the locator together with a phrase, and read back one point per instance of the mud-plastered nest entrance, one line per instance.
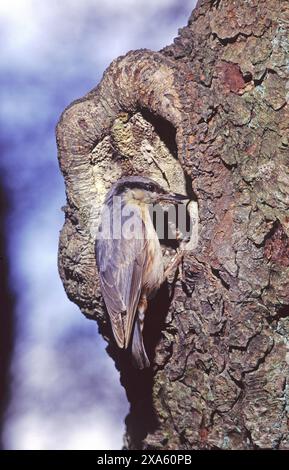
(131, 124)
(139, 144)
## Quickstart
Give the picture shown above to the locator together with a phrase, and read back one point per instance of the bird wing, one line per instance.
(120, 263)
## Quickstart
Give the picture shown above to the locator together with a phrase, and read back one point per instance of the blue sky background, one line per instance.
(66, 392)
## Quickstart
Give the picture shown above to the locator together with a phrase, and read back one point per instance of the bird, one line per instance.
(129, 258)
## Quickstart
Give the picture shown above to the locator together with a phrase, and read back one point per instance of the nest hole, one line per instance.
(164, 129)
(172, 172)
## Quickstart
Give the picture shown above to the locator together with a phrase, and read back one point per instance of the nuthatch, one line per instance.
(129, 257)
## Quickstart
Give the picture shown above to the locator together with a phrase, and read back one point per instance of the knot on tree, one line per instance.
(131, 123)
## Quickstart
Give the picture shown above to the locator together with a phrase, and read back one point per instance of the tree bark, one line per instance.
(209, 113)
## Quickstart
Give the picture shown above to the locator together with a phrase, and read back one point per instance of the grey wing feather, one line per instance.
(120, 264)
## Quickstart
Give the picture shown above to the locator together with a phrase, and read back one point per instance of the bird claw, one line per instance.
(176, 262)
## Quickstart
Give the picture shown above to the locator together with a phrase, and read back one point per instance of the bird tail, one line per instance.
(140, 359)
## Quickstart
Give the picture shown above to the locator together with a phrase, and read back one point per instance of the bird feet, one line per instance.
(176, 262)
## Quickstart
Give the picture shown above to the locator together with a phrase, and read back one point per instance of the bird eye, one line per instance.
(151, 187)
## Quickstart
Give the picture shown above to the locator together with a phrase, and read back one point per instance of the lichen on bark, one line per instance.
(212, 111)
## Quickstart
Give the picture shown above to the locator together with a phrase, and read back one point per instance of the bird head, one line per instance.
(140, 189)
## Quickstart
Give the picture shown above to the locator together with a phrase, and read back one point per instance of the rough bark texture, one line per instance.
(210, 113)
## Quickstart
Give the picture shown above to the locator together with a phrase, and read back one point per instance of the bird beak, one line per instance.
(173, 198)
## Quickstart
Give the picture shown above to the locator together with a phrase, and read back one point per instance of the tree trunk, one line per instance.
(208, 113)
